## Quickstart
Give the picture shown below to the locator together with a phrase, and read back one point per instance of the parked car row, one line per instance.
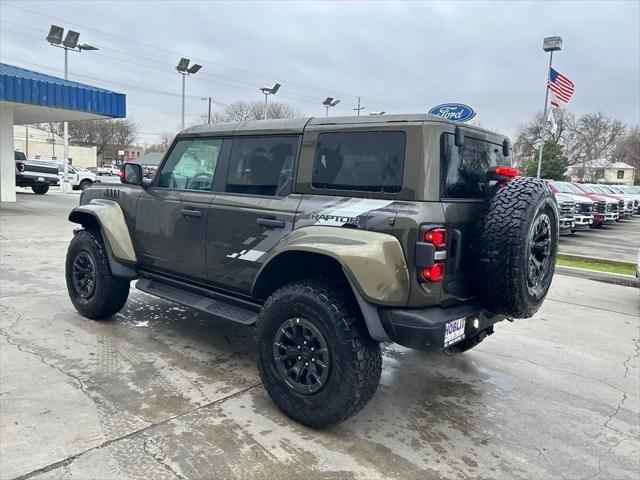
(583, 205)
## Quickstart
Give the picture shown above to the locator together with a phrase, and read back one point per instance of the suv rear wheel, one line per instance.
(93, 289)
(315, 357)
(84, 184)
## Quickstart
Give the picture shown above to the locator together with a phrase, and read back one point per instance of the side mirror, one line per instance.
(506, 148)
(459, 141)
(131, 174)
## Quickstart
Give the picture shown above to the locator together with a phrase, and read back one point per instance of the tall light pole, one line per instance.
(269, 91)
(549, 44)
(204, 99)
(184, 70)
(70, 42)
(328, 103)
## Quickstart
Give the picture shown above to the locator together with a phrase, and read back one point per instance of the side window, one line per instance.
(364, 161)
(464, 169)
(191, 164)
(620, 174)
(262, 165)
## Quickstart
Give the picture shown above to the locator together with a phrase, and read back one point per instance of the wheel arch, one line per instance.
(107, 217)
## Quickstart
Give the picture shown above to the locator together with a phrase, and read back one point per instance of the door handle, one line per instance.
(191, 213)
(271, 222)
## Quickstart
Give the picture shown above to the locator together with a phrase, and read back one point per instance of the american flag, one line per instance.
(561, 88)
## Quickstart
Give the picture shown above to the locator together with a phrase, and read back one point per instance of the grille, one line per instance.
(621, 205)
(566, 209)
(612, 207)
(601, 206)
(584, 208)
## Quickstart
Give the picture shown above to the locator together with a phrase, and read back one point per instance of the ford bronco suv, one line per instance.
(329, 236)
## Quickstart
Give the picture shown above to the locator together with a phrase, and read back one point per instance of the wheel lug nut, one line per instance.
(312, 349)
(306, 364)
(305, 342)
(313, 359)
(299, 357)
(298, 347)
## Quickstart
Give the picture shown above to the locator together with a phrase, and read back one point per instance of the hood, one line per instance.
(563, 198)
(577, 198)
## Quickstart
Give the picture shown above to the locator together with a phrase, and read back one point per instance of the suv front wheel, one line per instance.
(94, 290)
(315, 356)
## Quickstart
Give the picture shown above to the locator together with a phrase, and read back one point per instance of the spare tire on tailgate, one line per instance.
(517, 243)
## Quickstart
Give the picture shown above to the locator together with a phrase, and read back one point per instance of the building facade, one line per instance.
(603, 171)
(38, 144)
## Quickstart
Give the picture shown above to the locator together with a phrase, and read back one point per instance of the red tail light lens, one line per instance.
(506, 171)
(437, 237)
(434, 273)
(20, 166)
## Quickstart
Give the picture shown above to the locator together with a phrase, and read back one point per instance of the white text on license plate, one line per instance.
(454, 331)
(41, 179)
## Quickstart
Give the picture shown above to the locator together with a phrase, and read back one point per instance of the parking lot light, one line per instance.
(328, 103)
(269, 91)
(184, 70)
(70, 42)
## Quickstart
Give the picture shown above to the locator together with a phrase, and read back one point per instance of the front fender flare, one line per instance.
(109, 217)
(373, 262)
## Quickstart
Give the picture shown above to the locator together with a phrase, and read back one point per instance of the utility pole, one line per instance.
(209, 116)
(358, 108)
(26, 148)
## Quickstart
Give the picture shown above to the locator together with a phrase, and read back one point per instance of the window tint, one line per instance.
(464, 169)
(365, 161)
(191, 164)
(262, 165)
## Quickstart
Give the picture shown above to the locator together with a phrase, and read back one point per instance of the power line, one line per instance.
(206, 61)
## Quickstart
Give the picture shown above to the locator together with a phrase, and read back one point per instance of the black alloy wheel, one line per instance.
(84, 275)
(539, 253)
(302, 356)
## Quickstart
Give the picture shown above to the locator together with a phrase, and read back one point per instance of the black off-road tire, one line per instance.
(84, 184)
(40, 189)
(355, 358)
(506, 249)
(109, 293)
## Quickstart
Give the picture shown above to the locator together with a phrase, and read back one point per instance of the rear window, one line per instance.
(363, 161)
(19, 155)
(464, 169)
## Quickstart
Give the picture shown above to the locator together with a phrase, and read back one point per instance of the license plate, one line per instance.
(41, 179)
(454, 331)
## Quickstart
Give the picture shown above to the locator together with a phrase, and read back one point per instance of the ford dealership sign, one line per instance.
(456, 112)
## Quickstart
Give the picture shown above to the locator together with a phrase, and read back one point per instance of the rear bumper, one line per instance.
(31, 179)
(425, 328)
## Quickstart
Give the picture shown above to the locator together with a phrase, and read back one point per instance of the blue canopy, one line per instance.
(20, 85)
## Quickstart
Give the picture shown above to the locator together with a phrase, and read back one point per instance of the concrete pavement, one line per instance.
(161, 391)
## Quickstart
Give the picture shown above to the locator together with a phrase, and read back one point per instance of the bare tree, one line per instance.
(627, 148)
(242, 110)
(163, 145)
(596, 136)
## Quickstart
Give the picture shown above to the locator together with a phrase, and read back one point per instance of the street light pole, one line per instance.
(184, 69)
(550, 44)
(268, 91)
(264, 115)
(70, 42)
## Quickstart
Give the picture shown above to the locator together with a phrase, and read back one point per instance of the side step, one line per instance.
(220, 309)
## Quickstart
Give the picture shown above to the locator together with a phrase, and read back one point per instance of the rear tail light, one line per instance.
(434, 273)
(20, 166)
(506, 171)
(431, 253)
(437, 237)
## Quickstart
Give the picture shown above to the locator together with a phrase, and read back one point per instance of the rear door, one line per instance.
(464, 187)
(255, 211)
(171, 218)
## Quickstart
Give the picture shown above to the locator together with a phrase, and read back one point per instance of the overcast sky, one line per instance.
(401, 57)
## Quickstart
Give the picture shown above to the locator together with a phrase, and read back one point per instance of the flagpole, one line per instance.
(544, 115)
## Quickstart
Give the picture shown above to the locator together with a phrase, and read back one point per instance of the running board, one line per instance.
(220, 309)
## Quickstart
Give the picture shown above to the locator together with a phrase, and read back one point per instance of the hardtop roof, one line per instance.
(298, 124)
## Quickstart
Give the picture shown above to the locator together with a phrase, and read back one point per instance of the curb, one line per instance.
(605, 277)
(606, 261)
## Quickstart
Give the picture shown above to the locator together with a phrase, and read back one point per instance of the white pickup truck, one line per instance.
(79, 178)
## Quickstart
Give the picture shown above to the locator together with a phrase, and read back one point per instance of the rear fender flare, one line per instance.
(373, 262)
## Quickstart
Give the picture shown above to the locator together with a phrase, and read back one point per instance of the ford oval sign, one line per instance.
(456, 112)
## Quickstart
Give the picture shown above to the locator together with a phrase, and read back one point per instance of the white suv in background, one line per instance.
(79, 178)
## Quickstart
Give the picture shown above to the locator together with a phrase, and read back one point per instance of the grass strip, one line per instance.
(597, 266)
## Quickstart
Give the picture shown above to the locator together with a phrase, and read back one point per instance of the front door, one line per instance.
(256, 210)
(171, 217)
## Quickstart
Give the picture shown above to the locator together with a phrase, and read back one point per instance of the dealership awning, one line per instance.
(33, 97)
(36, 97)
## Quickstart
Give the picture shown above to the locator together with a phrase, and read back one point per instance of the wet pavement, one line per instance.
(163, 392)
